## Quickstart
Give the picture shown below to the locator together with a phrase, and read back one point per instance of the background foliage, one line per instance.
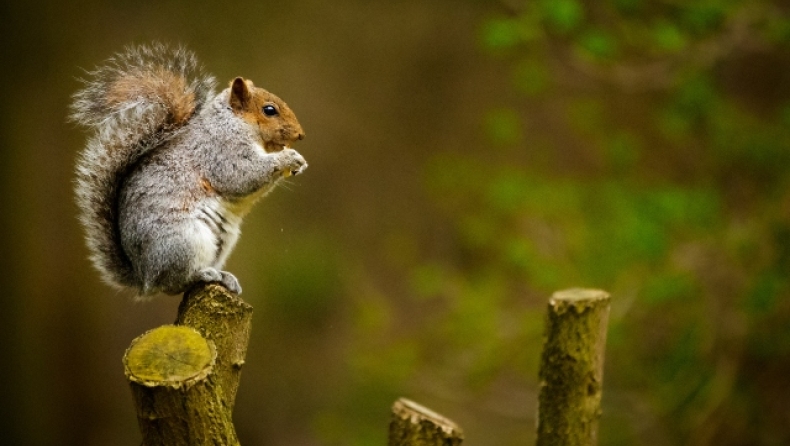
(466, 159)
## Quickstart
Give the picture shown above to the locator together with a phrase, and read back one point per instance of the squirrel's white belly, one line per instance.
(218, 229)
(204, 243)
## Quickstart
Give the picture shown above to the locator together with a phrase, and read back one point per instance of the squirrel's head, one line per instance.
(274, 121)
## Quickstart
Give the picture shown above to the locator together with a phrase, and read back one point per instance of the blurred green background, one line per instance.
(467, 158)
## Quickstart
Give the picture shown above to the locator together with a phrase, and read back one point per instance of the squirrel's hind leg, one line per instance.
(207, 275)
(180, 257)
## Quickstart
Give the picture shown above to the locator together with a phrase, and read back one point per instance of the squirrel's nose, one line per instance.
(300, 136)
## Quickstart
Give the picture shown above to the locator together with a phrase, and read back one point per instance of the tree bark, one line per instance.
(415, 425)
(184, 377)
(571, 369)
(226, 320)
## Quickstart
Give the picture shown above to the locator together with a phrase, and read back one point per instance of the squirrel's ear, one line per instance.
(239, 94)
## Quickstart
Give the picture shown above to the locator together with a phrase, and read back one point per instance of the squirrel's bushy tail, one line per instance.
(133, 103)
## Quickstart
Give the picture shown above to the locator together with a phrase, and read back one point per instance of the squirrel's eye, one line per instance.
(269, 110)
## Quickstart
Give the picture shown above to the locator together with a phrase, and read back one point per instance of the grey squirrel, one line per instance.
(171, 167)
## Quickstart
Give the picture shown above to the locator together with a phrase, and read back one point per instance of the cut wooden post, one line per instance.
(571, 369)
(170, 371)
(184, 377)
(226, 320)
(415, 425)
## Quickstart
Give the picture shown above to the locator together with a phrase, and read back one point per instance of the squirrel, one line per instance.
(171, 168)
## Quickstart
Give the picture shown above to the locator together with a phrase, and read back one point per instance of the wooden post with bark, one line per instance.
(571, 368)
(184, 377)
(415, 425)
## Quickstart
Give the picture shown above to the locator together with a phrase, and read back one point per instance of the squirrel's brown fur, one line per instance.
(247, 101)
(164, 85)
(135, 101)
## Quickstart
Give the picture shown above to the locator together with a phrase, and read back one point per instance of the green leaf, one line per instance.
(778, 29)
(669, 38)
(428, 280)
(562, 16)
(764, 293)
(598, 44)
(531, 77)
(500, 33)
(477, 231)
(693, 103)
(666, 288)
(628, 6)
(622, 150)
(703, 17)
(587, 115)
(673, 123)
(503, 126)
(507, 191)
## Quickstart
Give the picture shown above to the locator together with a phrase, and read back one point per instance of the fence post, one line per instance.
(415, 425)
(184, 377)
(571, 368)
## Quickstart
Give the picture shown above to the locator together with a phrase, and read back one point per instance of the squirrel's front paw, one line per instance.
(293, 163)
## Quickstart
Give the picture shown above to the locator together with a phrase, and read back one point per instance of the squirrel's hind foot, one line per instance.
(225, 278)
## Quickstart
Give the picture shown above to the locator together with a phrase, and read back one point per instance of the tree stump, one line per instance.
(415, 425)
(571, 369)
(184, 377)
